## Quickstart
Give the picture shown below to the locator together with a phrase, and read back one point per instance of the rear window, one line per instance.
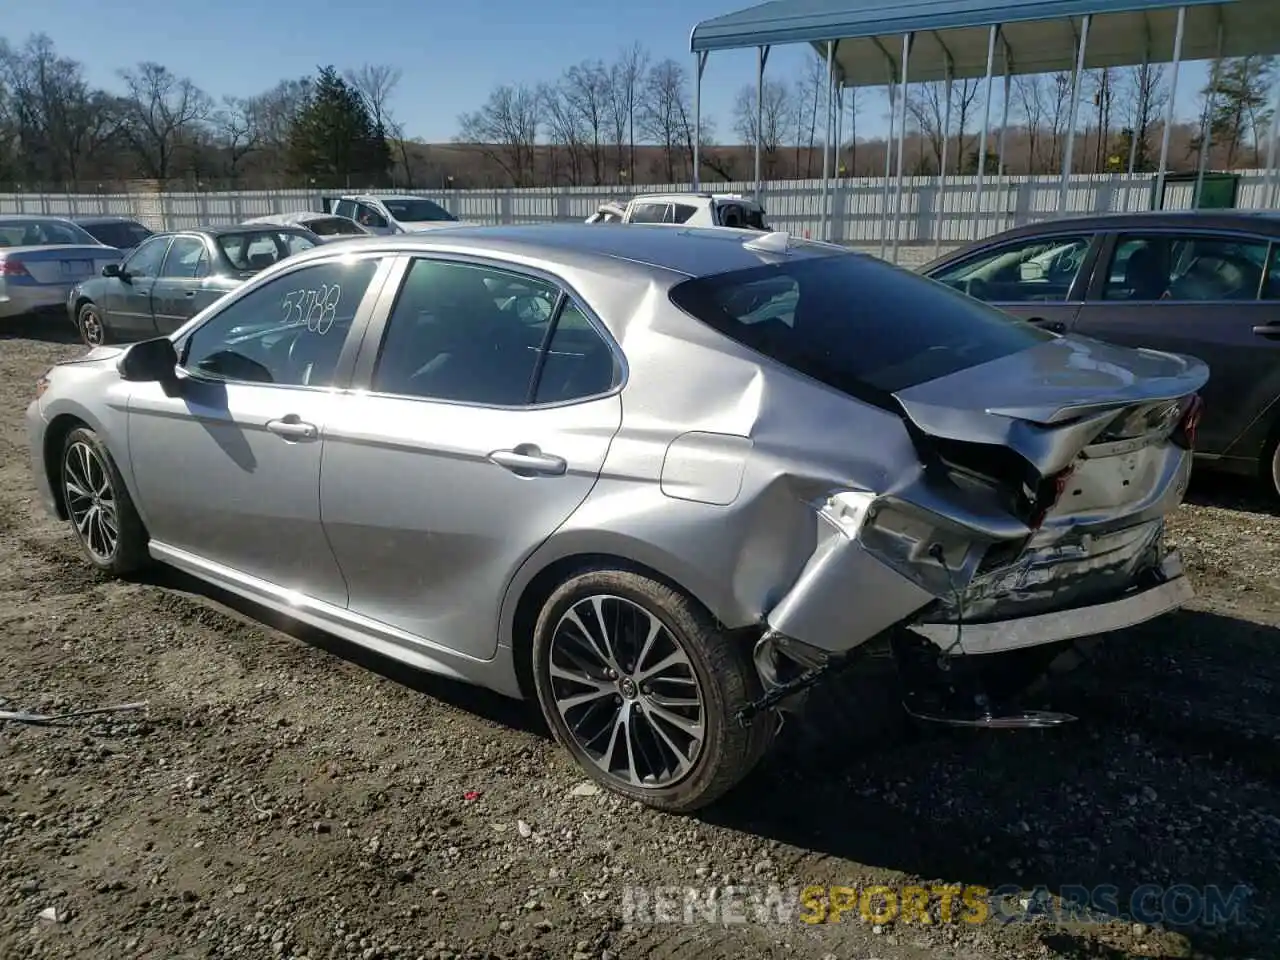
(42, 233)
(121, 234)
(855, 323)
(249, 252)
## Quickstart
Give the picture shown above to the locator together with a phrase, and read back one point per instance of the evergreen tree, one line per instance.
(334, 140)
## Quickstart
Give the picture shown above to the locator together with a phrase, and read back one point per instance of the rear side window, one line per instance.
(649, 213)
(855, 323)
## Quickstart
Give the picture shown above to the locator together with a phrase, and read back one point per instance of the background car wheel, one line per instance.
(99, 508)
(92, 328)
(1271, 466)
(641, 685)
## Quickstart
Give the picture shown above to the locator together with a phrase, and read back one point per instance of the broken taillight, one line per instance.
(1053, 491)
(1185, 433)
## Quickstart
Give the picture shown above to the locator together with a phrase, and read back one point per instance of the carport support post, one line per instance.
(942, 162)
(700, 61)
(1004, 129)
(1206, 124)
(826, 143)
(1273, 175)
(902, 138)
(1077, 81)
(1168, 108)
(888, 163)
(762, 60)
(986, 125)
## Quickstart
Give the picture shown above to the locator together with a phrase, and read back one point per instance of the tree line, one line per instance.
(625, 122)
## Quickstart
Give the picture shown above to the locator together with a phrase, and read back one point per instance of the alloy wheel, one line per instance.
(91, 501)
(627, 692)
(91, 327)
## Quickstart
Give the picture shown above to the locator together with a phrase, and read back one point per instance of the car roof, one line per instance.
(11, 217)
(1266, 221)
(107, 218)
(690, 251)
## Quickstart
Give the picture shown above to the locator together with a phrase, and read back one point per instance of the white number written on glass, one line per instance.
(314, 308)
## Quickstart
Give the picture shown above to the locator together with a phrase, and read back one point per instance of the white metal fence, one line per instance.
(856, 206)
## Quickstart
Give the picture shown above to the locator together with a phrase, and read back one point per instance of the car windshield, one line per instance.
(42, 233)
(855, 323)
(251, 251)
(121, 234)
(417, 210)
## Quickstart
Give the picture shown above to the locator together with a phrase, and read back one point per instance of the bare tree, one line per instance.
(55, 121)
(808, 103)
(377, 83)
(163, 109)
(665, 114)
(849, 133)
(1104, 83)
(505, 130)
(772, 117)
(927, 106)
(1058, 110)
(1028, 103)
(237, 128)
(1142, 100)
(585, 89)
(565, 128)
(625, 96)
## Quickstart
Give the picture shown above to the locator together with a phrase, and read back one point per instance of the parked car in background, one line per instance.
(123, 233)
(41, 259)
(1193, 282)
(689, 209)
(387, 213)
(171, 277)
(523, 486)
(326, 226)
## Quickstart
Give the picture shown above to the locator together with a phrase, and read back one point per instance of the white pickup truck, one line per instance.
(688, 209)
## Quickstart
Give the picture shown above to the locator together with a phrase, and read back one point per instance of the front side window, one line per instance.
(1039, 270)
(366, 216)
(649, 212)
(289, 331)
(473, 334)
(899, 329)
(186, 260)
(145, 261)
(1186, 269)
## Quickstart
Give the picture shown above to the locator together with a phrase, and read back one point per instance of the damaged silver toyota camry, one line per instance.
(659, 480)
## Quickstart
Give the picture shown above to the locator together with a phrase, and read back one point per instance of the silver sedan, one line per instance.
(41, 259)
(659, 482)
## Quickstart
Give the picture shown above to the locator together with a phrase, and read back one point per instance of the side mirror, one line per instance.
(150, 361)
(113, 270)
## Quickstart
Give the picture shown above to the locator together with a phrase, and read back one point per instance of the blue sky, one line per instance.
(451, 55)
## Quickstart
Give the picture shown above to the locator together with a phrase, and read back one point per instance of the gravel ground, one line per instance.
(287, 796)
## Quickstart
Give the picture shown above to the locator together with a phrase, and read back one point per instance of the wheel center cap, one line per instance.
(628, 688)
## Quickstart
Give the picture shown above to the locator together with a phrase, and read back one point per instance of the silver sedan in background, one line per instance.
(41, 259)
(656, 481)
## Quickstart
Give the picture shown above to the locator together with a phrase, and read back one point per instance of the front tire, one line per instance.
(93, 329)
(641, 686)
(1270, 467)
(98, 505)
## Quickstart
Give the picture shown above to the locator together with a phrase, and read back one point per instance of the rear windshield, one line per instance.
(121, 234)
(855, 323)
(42, 233)
(417, 211)
(334, 226)
(249, 252)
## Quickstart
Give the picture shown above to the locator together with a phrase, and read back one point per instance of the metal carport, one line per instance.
(896, 42)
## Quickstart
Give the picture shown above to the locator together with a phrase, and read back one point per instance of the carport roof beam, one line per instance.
(1040, 30)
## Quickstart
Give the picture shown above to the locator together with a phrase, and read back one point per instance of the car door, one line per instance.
(1206, 294)
(461, 457)
(176, 294)
(1041, 279)
(227, 465)
(128, 302)
(372, 219)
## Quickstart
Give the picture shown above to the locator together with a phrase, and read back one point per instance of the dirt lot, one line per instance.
(286, 796)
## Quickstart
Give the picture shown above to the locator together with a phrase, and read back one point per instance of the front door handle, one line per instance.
(292, 427)
(189, 293)
(1267, 330)
(527, 460)
(1054, 326)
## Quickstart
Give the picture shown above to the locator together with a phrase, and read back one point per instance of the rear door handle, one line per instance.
(1267, 330)
(189, 293)
(527, 460)
(292, 427)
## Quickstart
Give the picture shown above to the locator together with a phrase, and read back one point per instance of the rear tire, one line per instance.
(93, 329)
(641, 685)
(99, 507)
(1269, 465)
